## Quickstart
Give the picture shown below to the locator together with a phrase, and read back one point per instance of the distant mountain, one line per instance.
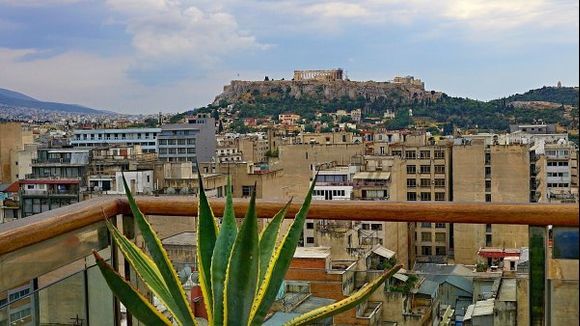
(15, 99)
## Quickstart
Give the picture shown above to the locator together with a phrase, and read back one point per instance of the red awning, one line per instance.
(498, 252)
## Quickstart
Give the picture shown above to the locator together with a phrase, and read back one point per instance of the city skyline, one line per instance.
(149, 56)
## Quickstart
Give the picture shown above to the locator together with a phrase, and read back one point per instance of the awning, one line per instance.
(498, 252)
(372, 176)
(383, 252)
(400, 275)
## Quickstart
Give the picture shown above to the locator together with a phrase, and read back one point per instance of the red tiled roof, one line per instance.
(14, 187)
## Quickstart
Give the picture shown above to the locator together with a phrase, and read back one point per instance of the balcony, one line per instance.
(50, 253)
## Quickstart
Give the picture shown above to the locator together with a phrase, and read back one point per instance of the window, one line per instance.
(439, 169)
(425, 196)
(439, 183)
(424, 154)
(309, 225)
(396, 153)
(439, 154)
(411, 196)
(440, 225)
(439, 196)
(426, 250)
(411, 169)
(365, 226)
(425, 169)
(488, 198)
(171, 150)
(310, 240)
(488, 171)
(410, 155)
(247, 191)
(426, 236)
(411, 183)
(191, 141)
(171, 142)
(425, 225)
(181, 142)
(440, 251)
(440, 237)
(148, 178)
(376, 227)
(487, 158)
(488, 228)
(487, 185)
(426, 183)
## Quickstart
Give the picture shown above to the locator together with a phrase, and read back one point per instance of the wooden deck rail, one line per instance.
(34, 229)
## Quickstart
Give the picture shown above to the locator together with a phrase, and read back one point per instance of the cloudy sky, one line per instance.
(146, 56)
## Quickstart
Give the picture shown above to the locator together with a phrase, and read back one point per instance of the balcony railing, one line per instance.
(37, 246)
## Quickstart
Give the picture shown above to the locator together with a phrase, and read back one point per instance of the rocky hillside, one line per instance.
(324, 92)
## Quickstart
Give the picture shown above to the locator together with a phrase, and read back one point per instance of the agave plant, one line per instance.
(240, 270)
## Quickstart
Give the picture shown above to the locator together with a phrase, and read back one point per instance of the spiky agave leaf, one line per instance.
(344, 304)
(242, 271)
(161, 259)
(268, 239)
(221, 255)
(147, 270)
(134, 301)
(207, 231)
(279, 264)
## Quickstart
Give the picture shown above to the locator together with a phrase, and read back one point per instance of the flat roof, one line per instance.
(49, 181)
(126, 130)
(312, 252)
(181, 239)
(372, 175)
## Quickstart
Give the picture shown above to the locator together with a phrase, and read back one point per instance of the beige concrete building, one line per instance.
(298, 162)
(421, 172)
(13, 138)
(245, 174)
(497, 174)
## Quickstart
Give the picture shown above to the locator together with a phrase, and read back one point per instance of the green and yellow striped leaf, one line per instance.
(279, 263)
(146, 269)
(159, 256)
(207, 231)
(221, 256)
(345, 304)
(242, 272)
(134, 301)
(268, 239)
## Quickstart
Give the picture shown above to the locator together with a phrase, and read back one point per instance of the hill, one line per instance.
(270, 98)
(14, 99)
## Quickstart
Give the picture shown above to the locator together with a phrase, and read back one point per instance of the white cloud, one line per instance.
(481, 20)
(174, 29)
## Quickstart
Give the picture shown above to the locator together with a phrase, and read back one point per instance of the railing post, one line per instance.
(537, 289)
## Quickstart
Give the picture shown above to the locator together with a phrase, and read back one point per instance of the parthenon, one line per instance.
(322, 75)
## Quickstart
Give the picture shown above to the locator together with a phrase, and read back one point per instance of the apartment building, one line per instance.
(299, 160)
(488, 172)
(13, 140)
(421, 172)
(188, 142)
(61, 163)
(144, 137)
(41, 195)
